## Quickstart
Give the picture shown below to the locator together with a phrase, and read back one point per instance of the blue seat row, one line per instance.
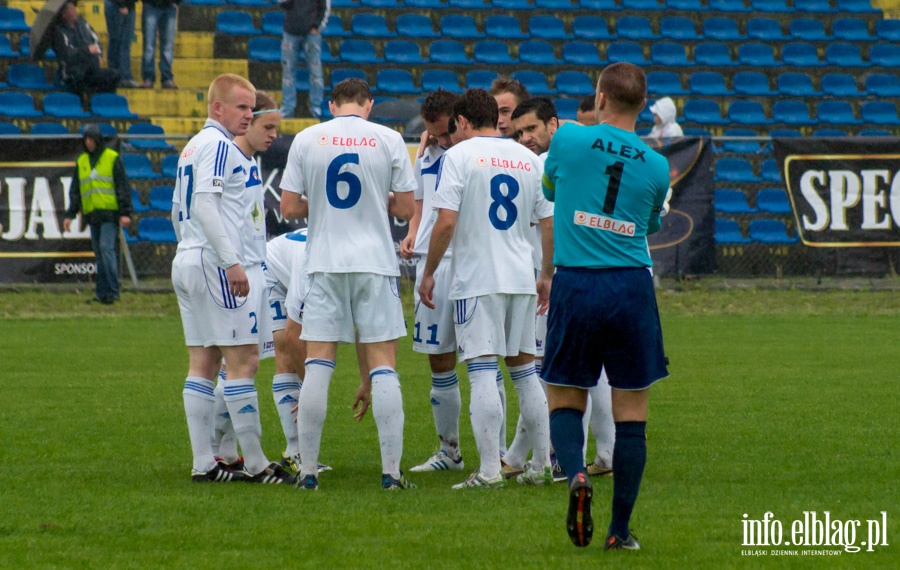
(65, 106)
(754, 83)
(791, 112)
(736, 6)
(769, 200)
(762, 230)
(401, 81)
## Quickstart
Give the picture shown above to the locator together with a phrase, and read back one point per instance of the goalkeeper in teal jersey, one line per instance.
(608, 189)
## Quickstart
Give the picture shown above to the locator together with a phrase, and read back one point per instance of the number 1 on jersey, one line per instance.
(188, 171)
(614, 171)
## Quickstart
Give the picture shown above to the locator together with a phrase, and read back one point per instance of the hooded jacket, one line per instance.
(665, 110)
(120, 180)
(72, 46)
(301, 16)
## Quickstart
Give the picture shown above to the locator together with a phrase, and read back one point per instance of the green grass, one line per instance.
(782, 401)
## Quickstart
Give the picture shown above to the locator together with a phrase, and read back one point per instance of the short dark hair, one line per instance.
(437, 104)
(478, 107)
(351, 90)
(542, 107)
(508, 85)
(587, 103)
(264, 102)
(625, 85)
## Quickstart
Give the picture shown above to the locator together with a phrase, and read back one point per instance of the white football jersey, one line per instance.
(495, 186)
(346, 167)
(426, 171)
(211, 163)
(538, 246)
(253, 234)
(283, 251)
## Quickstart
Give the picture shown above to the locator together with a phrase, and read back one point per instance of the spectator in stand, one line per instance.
(664, 114)
(585, 114)
(159, 18)
(78, 49)
(303, 20)
(120, 17)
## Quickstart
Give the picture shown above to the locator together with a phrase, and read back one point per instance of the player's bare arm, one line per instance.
(293, 205)
(440, 241)
(401, 205)
(406, 246)
(546, 277)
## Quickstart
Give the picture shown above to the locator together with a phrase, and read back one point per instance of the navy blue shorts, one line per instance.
(603, 317)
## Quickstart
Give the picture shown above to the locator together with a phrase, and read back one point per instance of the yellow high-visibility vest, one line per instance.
(98, 189)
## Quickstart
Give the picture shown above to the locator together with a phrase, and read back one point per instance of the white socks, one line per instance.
(535, 415)
(243, 407)
(387, 409)
(286, 393)
(446, 405)
(602, 423)
(224, 440)
(311, 413)
(501, 388)
(199, 406)
(487, 413)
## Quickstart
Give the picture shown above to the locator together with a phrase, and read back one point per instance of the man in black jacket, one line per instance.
(100, 191)
(303, 22)
(78, 49)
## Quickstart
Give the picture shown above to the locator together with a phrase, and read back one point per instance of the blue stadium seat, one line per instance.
(774, 6)
(16, 104)
(792, 112)
(785, 133)
(840, 85)
(703, 111)
(264, 48)
(236, 23)
(156, 230)
(459, 26)
(467, 4)
(727, 231)
(591, 28)
(883, 85)
(107, 130)
(6, 49)
(64, 106)
(765, 29)
(640, 5)
(880, 113)
(403, 52)
(380, 4)
(713, 55)
(857, 7)
(534, 81)
(12, 20)
(721, 29)
(708, 83)
(273, 22)
(136, 204)
(327, 56)
(608, 5)
(138, 167)
(161, 198)
(737, 170)
(9, 129)
(888, 30)
(796, 85)
(851, 29)
(757, 55)
(426, 4)
(448, 52)
(574, 83)
(581, 53)
(728, 6)
(646, 116)
(770, 231)
(111, 106)
(434, 79)
(415, 26)
(539, 52)
(836, 113)
(49, 129)
(669, 53)
(808, 29)
(512, 5)
(748, 113)
(731, 201)
(359, 51)
(554, 5)
(480, 79)
(875, 133)
(752, 83)
(148, 144)
(169, 165)
(664, 83)
(504, 27)
(689, 132)
(740, 147)
(301, 79)
(773, 201)
(214, 3)
(885, 55)
(692, 5)
(844, 55)
(334, 28)
(678, 28)
(493, 52)
(635, 28)
(251, 3)
(370, 26)
(630, 52)
(343, 73)
(28, 76)
(566, 108)
(547, 28)
(800, 55)
(770, 171)
(814, 6)
(829, 133)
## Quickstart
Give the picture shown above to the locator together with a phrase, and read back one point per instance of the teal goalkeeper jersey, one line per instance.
(608, 188)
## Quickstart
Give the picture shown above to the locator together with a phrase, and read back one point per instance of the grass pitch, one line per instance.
(779, 401)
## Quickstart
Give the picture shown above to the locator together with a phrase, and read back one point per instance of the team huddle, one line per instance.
(530, 245)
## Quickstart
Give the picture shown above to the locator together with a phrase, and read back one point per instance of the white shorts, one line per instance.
(277, 309)
(500, 323)
(540, 334)
(433, 332)
(296, 292)
(335, 303)
(210, 314)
